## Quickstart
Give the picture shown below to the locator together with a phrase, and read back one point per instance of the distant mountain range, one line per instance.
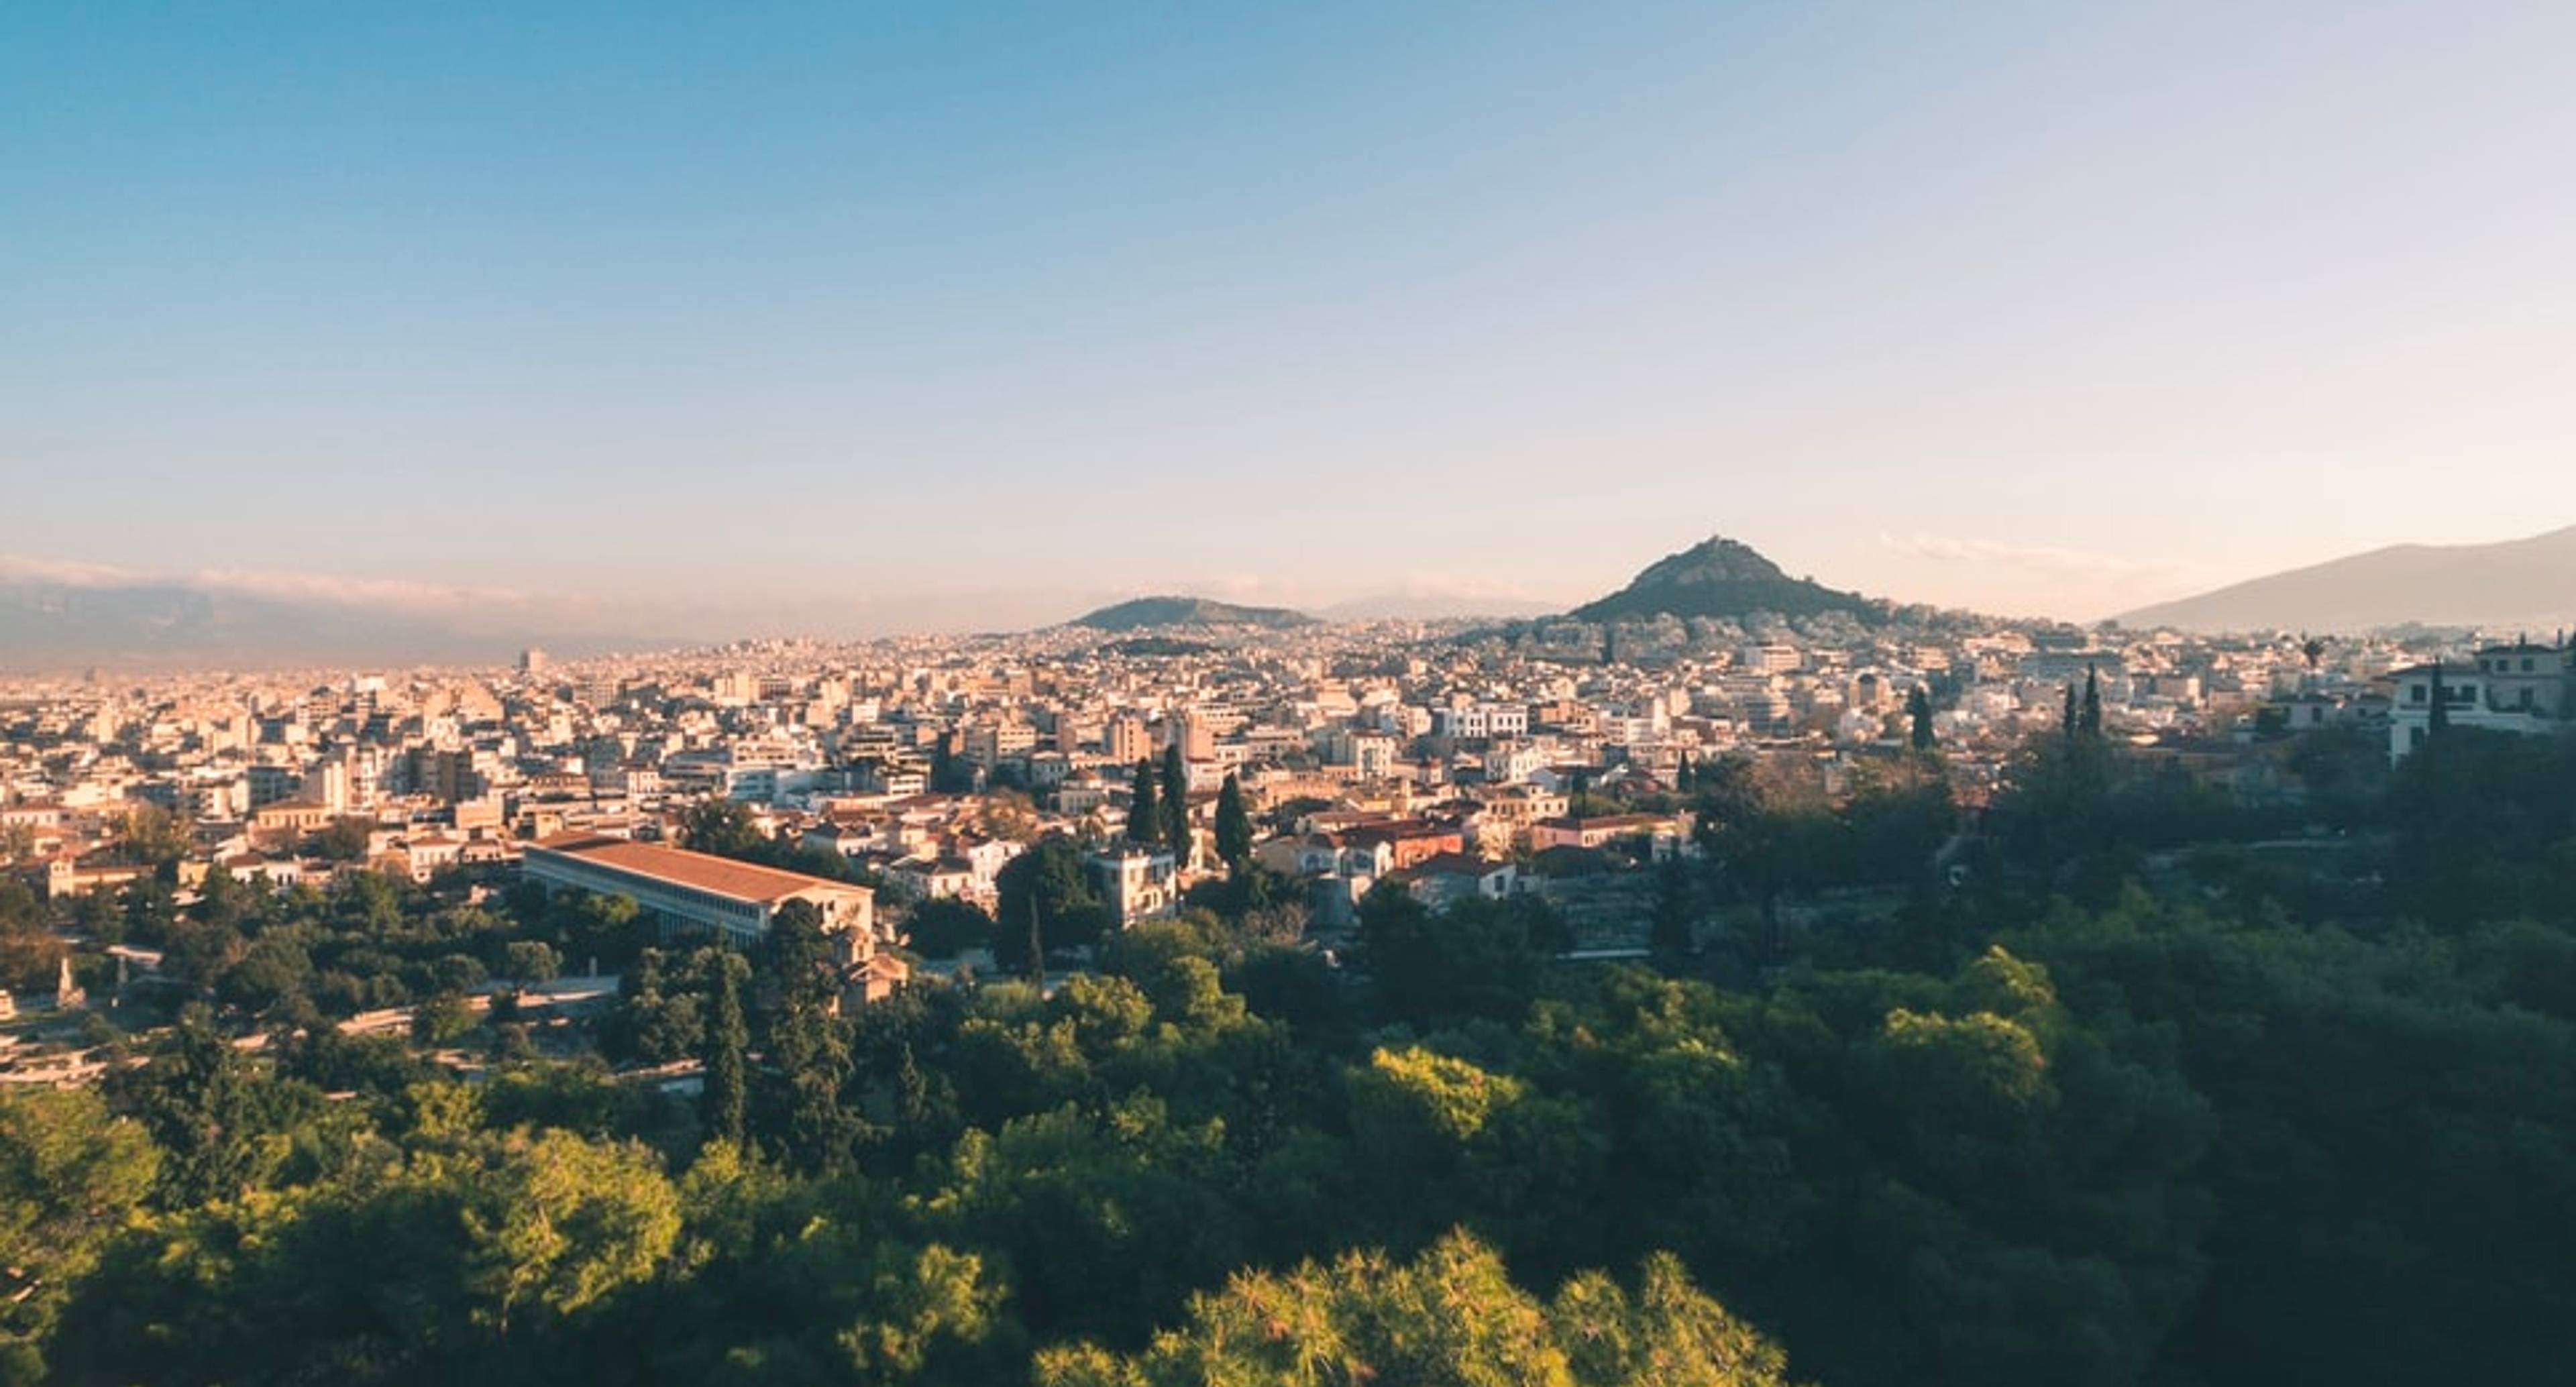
(2522, 582)
(56, 616)
(1719, 577)
(1142, 612)
(66, 616)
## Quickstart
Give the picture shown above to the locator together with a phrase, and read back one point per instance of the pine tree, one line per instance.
(1233, 826)
(1918, 708)
(2066, 724)
(2090, 721)
(722, 1101)
(1176, 804)
(1144, 816)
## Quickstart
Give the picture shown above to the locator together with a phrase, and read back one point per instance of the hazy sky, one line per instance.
(2045, 307)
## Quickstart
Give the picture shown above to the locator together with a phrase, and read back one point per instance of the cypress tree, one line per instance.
(1669, 931)
(1144, 816)
(1037, 946)
(2091, 721)
(1176, 803)
(2066, 724)
(2438, 719)
(1918, 708)
(722, 1100)
(1233, 826)
(1684, 779)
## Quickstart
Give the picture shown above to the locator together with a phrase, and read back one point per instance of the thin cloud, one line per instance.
(275, 584)
(2032, 557)
(2035, 578)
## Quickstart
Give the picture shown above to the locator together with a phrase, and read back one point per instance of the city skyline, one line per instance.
(959, 316)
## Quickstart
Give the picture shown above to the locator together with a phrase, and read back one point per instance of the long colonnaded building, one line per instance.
(686, 891)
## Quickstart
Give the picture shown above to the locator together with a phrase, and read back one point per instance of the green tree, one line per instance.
(947, 926)
(801, 1108)
(722, 1053)
(1670, 933)
(209, 1112)
(950, 774)
(345, 839)
(1068, 907)
(1450, 1316)
(152, 835)
(1918, 712)
(557, 1223)
(530, 963)
(442, 1019)
(1144, 813)
(70, 1175)
(1478, 957)
(1175, 802)
(1233, 825)
(725, 828)
(271, 971)
(2089, 720)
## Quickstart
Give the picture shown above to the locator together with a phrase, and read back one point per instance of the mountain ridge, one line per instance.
(125, 621)
(2528, 581)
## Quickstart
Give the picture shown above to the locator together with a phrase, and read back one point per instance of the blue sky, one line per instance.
(789, 310)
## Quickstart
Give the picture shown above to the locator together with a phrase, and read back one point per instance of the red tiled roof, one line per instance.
(704, 871)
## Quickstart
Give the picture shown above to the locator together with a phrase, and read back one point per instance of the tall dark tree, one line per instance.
(1176, 803)
(803, 1113)
(1686, 776)
(722, 1102)
(1144, 813)
(1037, 945)
(2089, 722)
(1050, 875)
(1918, 709)
(1671, 934)
(2066, 723)
(1233, 826)
(2438, 718)
(950, 774)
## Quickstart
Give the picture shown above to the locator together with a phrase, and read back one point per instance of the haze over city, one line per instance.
(786, 317)
(1149, 694)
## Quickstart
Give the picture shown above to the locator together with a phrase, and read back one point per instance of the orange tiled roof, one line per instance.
(747, 881)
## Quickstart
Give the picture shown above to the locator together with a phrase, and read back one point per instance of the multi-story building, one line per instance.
(2519, 688)
(1138, 883)
(1127, 738)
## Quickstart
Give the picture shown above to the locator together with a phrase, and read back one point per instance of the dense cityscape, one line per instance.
(849, 914)
(1346, 694)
